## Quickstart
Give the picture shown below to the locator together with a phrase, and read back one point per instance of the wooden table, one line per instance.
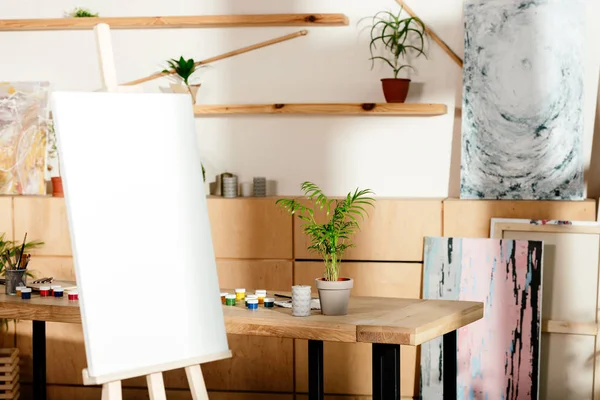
(386, 323)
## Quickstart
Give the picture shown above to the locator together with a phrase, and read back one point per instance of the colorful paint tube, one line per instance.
(26, 293)
(58, 292)
(253, 304)
(73, 295)
(261, 294)
(240, 294)
(44, 291)
(269, 302)
(230, 300)
(250, 297)
(18, 289)
(223, 295)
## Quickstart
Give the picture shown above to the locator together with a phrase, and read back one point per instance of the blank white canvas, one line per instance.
(142, 246)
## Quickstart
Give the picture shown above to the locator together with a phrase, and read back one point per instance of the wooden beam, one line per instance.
(224, 56)
(573, 328)
(198, 21)
(325, 108)
(433, 35)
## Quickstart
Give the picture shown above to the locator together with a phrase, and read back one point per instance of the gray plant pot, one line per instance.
(334, 295)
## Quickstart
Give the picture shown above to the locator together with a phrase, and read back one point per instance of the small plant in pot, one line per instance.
(331, 238)
(401, 38)
(184, 70)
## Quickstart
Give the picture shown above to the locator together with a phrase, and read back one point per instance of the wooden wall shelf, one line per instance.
(325, 108)
(200, 21)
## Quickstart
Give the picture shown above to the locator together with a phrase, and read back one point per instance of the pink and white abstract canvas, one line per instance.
(498, 356)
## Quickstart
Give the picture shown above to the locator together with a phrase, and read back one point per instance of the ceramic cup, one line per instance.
(301, 298)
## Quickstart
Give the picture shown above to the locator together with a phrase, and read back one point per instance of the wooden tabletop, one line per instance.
(369, 319)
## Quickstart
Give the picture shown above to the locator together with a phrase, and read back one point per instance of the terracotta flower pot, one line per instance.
(395, 90)
(334, 295)
(57, 187)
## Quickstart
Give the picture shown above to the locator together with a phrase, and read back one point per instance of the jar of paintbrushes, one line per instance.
(15, 270)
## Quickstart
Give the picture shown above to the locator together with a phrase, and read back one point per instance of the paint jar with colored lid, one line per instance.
(58, 292)
(230, 300)
(52, 289)
(240, 294)
(223, 295)
(253, 304)
(26, 293)
(250, 297)
(269, 302)
(19, 288)
(73, 295)
(44, 291)
(261, 294)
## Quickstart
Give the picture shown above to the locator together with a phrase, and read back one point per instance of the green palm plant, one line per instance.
(399, 36)
(182, 67)
(332, 238)
(80, 12)
(13, 248)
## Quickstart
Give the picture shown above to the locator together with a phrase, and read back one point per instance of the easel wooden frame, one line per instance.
(111, 384)
(564, 327)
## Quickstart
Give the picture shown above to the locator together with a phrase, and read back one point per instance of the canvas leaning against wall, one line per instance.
(23, 135)
(522, 132)
(498, 356)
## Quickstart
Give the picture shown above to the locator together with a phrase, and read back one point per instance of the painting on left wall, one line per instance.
(24, 116)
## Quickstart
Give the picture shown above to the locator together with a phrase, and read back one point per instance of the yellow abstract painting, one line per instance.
(23, 137)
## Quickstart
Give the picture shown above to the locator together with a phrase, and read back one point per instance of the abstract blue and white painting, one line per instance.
(522, 127)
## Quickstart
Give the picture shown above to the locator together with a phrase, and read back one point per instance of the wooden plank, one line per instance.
(347, 368)
(471, 218)
(364, 109)
(394, 231)
(198, 21)
(572, 328)
(250, 228)
(256, 274)
(45, 219)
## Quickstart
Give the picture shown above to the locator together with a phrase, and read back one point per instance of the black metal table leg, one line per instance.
(386, 371)
(39, 360)
(315, 370)
(450, 367)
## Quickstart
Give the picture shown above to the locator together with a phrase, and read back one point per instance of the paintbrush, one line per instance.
(22, 250)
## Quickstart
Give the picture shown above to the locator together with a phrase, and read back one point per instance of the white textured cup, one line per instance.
(301, 297)
(246, 189)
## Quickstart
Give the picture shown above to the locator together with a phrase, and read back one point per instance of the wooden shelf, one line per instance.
(200, 21)
(325, 108)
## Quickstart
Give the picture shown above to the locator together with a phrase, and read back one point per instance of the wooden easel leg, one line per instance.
(111, 391)
(196, 381)
(156, 386)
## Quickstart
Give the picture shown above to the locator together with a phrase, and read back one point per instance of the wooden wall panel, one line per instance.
(393, 231)
(45, 219)
(471, 218)
(347, 367)
(6, 217)
(255, 274)
(250, 228)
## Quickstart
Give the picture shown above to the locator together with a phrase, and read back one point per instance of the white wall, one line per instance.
(394, 156)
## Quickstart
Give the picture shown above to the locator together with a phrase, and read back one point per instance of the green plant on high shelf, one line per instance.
(184, 69)
(331, 238)
(400, 39)
(80, 12)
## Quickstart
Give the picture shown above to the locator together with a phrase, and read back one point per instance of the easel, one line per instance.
(111, 384)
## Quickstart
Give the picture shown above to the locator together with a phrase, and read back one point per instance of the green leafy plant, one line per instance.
(399, 36)
(184, 68)
(332, 238)
(80, 12)
(13, 248)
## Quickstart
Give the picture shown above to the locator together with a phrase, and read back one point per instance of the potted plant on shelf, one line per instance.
(331, 238)
(80, 12)
(184, 70)
(400, 38)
